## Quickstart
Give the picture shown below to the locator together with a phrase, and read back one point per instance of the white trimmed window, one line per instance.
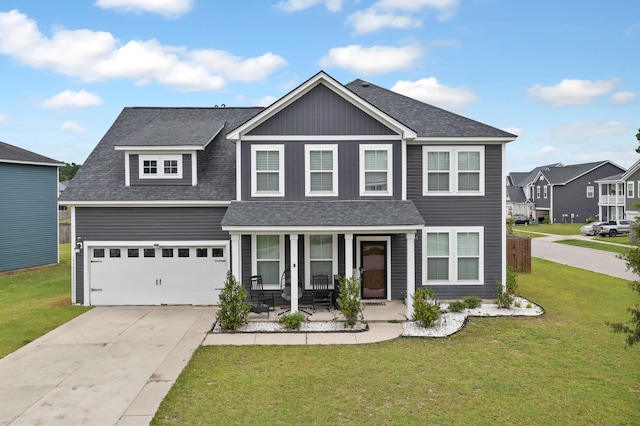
(268, 251)
(538, 192)
(453, 170)
(545, 191)
(321, 170)
(322, 258)
(267, 165)
(376, 169)
(453, 255)
(590, 191)
(630, 187)
(160, 166)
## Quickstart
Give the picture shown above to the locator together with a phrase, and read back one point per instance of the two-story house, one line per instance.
(619, 195)
(566, 194)
(337, 179)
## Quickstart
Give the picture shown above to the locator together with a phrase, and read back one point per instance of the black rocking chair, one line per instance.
(322, 294)
(260, 300)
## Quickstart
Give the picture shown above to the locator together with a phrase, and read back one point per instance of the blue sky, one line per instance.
(563, 75)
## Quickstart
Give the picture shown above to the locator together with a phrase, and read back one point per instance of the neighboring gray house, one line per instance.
(567, 194)
(28, 209)
(619, 194)
(337, 179)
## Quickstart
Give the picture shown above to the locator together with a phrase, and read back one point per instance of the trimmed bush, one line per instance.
(349, 300)
(293, 321)
(457, 306)
(426, 309)
(472, 302)
(233, 309)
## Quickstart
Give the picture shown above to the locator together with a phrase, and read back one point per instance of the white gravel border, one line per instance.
(305, 327)
(452, 322)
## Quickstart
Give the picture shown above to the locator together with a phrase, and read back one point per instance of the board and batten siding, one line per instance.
(29, 216)
(144, 224)
(450, 211)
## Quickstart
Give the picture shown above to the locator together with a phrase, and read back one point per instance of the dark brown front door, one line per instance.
(374, 275)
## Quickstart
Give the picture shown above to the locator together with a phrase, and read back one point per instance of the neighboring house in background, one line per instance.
(567, 194)
(619, 194)
(330, 179)
(28, 209)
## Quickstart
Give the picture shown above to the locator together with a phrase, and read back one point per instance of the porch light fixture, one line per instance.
(156, 245)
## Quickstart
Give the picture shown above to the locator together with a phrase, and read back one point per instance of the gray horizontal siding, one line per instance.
(29, 216)
(485, 211)
(134, 175)
(145, 224)
(321, 112)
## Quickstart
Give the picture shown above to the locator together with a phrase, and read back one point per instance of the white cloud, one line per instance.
(297, 5)
(546, 151)
(98, 56)
(371, 60)
(71, 127)
(586, 130)
(372, 20)
(573, 92)
(70, 99)
(621, 98)
(169, 8)
(266, 101)
(398, 14)
(430, 90)
(4, 118)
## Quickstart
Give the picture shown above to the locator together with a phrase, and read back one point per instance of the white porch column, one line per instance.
(293, 255)
(236, 258)
(348, 255)
(411, 271)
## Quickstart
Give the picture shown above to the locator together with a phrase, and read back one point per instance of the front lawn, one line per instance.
(34, 302)
(595, 245)
(564, 367)
(555, 228)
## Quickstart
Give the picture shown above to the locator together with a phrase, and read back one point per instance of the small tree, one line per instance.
(506, 295)
(510, 222)
(350, 300)
(234, 309)
(426, 309)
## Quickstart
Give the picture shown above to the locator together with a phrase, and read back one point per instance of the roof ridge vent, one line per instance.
(365, 84)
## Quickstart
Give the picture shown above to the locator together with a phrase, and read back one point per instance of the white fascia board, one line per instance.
(319, 230)
(461, 140)
(159, 203)
(32, 163)
(337, 88)
(185, 149)
(325, 138)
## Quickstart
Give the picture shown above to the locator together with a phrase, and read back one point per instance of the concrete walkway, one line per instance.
(109, 366)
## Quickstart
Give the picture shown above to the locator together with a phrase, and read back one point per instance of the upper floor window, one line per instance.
(630, 188)
(538, 191)
(160, 166)
(590, 191)
(321, 177)
(267, 170)
(545, 191)
(376, 169)
(453, 170)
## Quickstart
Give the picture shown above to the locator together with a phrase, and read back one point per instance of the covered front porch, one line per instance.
(289, 243)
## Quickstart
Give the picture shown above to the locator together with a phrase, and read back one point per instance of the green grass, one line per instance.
(34, 302)
(564, 367)
(625, 239)
(594, 245)
(555, 228)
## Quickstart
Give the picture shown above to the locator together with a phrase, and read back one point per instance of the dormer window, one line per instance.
(160, 166)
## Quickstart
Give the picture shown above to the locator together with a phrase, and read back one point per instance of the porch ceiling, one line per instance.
(359, 215)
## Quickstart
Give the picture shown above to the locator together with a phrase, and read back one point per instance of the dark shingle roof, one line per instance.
(322, 213)
(101, 178)
(426, 120)
(162, 130)
(13, 154)
(516, 194)
(562, 175)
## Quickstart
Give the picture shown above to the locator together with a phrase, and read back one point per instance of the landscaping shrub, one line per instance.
(472, 302)
(293, 321)
(456, 306)
(426, 309)
(233, 308)
(349, 299)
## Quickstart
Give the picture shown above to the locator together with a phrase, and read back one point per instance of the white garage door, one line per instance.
(179, 275)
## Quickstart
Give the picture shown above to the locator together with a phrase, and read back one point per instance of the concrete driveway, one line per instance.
(111, 365)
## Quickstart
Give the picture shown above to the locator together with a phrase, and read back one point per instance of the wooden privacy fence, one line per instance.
(519, 253)
(64, 232)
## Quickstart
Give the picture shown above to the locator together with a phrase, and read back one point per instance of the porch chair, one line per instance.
(321, 293)
(285, 291)
(259, 299)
